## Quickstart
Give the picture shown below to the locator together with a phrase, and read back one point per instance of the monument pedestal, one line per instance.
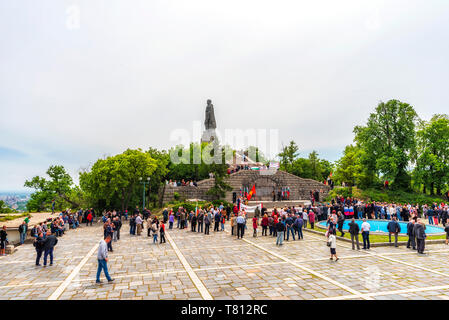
(209, 135)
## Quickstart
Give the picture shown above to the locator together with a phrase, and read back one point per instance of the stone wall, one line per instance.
(299, 187)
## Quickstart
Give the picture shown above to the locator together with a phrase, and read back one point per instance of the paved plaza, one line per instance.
(218, 266)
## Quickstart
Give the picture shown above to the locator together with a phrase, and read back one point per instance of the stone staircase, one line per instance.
(299, 187)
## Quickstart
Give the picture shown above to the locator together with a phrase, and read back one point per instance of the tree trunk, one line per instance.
(63, 196)
(161, 196)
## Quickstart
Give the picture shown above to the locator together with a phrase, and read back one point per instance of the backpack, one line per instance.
(33, 232)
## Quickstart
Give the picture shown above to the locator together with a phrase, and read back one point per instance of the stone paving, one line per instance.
(218, 266)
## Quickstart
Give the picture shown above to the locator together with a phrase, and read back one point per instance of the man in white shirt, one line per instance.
(366, 227)
(102, 257)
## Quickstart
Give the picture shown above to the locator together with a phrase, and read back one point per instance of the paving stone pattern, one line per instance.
(228, 269)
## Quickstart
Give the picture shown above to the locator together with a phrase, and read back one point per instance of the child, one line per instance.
(162, 232)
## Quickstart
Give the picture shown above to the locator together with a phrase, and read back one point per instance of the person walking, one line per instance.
(39, 246)
(49, 244)
(280, 228)
(102, 258)
(366, 227)
(132, 225)
(394, 228)
(354, 232)
(332, 243)
(411, 234)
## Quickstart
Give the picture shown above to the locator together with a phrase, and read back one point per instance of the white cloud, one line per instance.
(134, 71)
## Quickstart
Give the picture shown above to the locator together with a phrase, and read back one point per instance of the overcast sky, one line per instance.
(127, 73)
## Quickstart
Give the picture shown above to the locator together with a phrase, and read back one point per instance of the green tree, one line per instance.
(432, 164)
(288, 155)
(117, 178)
(159, 175)
(349, 167)
(388, 140)
(4, 208)
(58, 187)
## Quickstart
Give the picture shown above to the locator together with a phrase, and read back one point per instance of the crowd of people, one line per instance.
(181, 183)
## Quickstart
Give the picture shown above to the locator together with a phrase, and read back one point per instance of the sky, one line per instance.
(83, 79)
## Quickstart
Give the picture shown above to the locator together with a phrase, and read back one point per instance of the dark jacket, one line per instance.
(50, 242)
(410, 229)
(393, 227)
(280, 226)
(23, 228)
(354, 228)
(39, 243)
(419, 231)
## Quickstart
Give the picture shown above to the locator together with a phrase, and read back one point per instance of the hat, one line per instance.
(333, 211)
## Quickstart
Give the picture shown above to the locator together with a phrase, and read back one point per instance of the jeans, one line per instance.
(46, 253)
(395, 238)
(430, 220)
(280, 238)
(290, 229)
(200, 226)
(222, 226)
(365, 235)
(132, 230)
(38, 255)
(23, 236)
(170, 225)
(300, 236)
(216, 226)
(360, 215)
(103, 265)
(154, 237)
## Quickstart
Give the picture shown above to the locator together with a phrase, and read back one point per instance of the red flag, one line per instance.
(252, 192)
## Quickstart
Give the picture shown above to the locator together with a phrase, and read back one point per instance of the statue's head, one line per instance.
(209, 101)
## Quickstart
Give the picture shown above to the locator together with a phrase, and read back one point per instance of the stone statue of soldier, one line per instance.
(209, 122)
